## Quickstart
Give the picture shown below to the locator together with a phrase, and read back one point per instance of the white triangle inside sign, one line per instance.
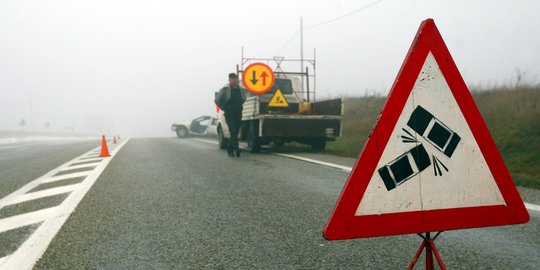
(441, 165)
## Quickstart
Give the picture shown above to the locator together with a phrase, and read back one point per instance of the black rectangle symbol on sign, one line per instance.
(434, 131)
(452, 145)
(384, 172)
(439, 135)
(404, 167)
(419, 120)
(421, 157)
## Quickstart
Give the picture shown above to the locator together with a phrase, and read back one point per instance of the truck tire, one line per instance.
(223, 142)
(318, 144)
(182, 132)
(253, 141)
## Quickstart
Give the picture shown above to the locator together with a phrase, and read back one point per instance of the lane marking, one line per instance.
(85, 163)
(88, 159)
(82, 166)
(328, 164)
(43, 193)
(14, 222)
(51, 219)
(206, 141)
(529, 206)
(66, 176)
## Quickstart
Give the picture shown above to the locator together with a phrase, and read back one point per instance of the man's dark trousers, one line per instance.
(234, 121)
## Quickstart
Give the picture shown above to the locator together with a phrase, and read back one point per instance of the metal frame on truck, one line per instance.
(305, 120)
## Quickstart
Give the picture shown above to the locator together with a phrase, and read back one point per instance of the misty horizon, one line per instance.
(135, 67)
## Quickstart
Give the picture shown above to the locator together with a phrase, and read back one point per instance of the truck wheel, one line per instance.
(253, 142)
(318, 144)
(223, 142)
(182, 132)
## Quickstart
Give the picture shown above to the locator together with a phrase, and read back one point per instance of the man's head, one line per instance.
(233, 80)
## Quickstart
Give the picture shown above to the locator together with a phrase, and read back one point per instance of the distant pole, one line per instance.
(241, 59)
(302, 50)
(31, 122)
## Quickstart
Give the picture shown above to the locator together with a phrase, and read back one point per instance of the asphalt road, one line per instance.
(169, 203)
(21, 163)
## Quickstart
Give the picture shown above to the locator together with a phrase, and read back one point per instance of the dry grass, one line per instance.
(511, 114)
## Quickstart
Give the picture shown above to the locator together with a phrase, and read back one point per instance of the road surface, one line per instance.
(168, 203)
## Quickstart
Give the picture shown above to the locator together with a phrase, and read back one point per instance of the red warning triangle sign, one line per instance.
(430, 163)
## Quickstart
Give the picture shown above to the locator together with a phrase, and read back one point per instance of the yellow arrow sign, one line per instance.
(278, 100)
(258, 78)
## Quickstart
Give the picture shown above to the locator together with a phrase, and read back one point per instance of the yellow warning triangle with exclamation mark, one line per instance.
(278, 100)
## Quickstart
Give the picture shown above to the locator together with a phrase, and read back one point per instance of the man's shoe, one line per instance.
(230, 153)
(238, 153)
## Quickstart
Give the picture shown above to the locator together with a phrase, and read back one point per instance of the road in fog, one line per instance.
(183, 204)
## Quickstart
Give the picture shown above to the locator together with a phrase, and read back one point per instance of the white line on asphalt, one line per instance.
(52, 218)
(43, 193)
(206, 141)
(82, 166)
(90, 159)
(65, 176)
(3, 259)
(529, 206)
(344, 168)
(94, 162)
(26, 219)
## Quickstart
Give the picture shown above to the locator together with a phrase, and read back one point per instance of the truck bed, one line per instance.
(323, 119)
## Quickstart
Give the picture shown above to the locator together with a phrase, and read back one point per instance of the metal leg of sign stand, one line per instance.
(431, 249)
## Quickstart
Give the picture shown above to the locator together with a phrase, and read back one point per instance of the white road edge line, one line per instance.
(344, 168)
(529, 206)
(33, 248)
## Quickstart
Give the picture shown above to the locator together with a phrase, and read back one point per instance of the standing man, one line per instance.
(230, 99)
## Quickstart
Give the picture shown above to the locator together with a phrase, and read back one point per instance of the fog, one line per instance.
(134, 67)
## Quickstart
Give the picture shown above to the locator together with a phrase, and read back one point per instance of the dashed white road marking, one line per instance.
(529, 206)
(82, 166)
(65, 176)
(50, 219)
(43, 193)
(93, 158)
(14, 222)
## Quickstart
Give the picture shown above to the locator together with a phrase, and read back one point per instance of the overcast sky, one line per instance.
(134, 67)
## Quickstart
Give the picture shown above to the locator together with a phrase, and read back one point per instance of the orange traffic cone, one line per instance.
(104, 148)
(114, 140)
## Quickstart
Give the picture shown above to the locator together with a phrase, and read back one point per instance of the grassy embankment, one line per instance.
(512, 116)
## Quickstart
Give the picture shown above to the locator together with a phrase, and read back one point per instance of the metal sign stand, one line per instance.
(431, 249)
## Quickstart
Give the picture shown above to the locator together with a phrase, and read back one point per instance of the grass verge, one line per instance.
(511, 114)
